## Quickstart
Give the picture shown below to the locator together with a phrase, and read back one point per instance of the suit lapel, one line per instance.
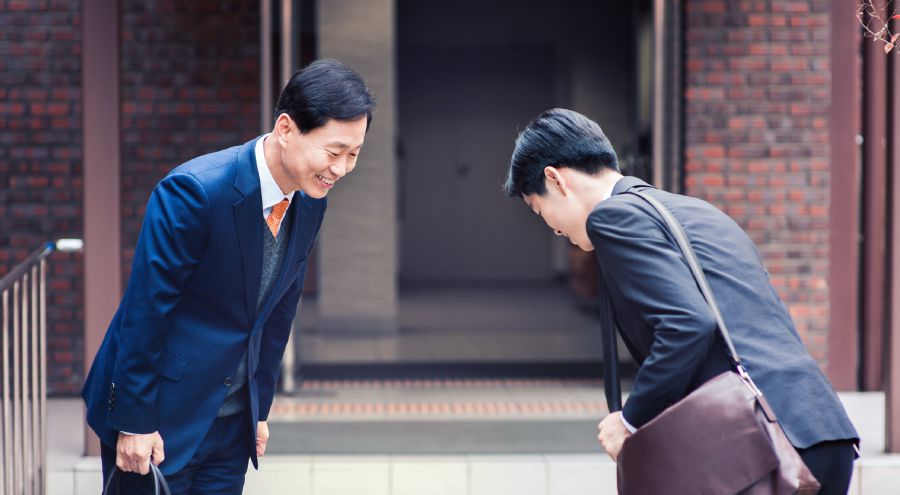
(301, 205)
(249, 225)
(248, 221)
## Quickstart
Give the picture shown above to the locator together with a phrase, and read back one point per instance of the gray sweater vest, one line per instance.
(274, 250)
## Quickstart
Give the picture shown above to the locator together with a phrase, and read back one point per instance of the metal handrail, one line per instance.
(65, 245)
(23, 411)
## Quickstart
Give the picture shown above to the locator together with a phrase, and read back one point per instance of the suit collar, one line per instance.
(248, 224)
(246, 180)
(626, 183)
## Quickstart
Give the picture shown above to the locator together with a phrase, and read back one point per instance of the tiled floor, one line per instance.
(486, 325)
(441, 473)
(400, 475)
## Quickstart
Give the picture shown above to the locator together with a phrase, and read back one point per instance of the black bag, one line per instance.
(159, 482)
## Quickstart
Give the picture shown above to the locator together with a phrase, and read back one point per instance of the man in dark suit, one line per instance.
(567, 172)
(193, 353)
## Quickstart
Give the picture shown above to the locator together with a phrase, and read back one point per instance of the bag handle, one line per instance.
(159, 481)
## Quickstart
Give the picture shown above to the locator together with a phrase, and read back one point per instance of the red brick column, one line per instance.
(190, 85)
(757, 92)
(40, 163)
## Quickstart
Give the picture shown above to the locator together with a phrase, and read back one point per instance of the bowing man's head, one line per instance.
(561, 167)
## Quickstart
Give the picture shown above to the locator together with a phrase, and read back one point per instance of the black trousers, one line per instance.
(832, 464)
(217, 468)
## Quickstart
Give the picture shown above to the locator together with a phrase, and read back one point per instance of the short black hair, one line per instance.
(325, 89)
(561, 138)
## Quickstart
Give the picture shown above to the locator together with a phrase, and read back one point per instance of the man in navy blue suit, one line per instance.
(567, 172)
(186, 373)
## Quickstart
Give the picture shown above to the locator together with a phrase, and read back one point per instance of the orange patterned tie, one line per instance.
(275, 216)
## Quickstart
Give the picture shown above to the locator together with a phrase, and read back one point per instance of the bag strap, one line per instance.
(612, 385)
(159, 481)
(691, 257)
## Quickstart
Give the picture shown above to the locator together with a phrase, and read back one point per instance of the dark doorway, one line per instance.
(485, 286)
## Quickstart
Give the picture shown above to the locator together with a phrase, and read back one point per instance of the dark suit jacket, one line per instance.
(190, 309)
(670, 330)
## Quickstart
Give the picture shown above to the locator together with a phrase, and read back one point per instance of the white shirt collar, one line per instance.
(609, 193)
(271, 193)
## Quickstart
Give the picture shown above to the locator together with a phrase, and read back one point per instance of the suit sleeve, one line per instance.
(171, 243)
(651, 274)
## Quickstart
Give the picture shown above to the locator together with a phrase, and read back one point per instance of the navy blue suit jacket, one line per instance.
(670, 330)
(190, 308)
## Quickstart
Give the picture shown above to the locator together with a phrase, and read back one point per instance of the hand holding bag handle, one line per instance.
(160, 487)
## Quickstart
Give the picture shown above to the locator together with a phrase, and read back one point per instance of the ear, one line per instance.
(555, 179)
(284, 127)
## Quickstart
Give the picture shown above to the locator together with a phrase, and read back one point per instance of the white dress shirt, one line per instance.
(271, 193)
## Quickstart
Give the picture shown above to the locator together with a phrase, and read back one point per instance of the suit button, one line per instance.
(228, 382)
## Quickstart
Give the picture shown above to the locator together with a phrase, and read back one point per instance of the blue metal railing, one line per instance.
(23, 376)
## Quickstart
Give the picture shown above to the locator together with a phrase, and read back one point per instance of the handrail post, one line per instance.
(16, 395)
(24, 406)
(37, 463)
(43, 381)
(7, 426)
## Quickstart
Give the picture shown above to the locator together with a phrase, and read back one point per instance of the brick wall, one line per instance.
(40, 163)
(190, 85)
(756, 137)
(757, 93)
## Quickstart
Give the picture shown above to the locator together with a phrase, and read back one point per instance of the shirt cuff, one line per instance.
(129, 433)
(630, 428)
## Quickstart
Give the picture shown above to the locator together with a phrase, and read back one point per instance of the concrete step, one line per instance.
(422, 437)
(557, 474)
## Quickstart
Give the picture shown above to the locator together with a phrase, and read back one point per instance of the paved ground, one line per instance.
(534, 324)
(440, 437)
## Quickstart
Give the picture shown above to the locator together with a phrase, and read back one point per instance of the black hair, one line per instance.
(325, 89)
(561, 138)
